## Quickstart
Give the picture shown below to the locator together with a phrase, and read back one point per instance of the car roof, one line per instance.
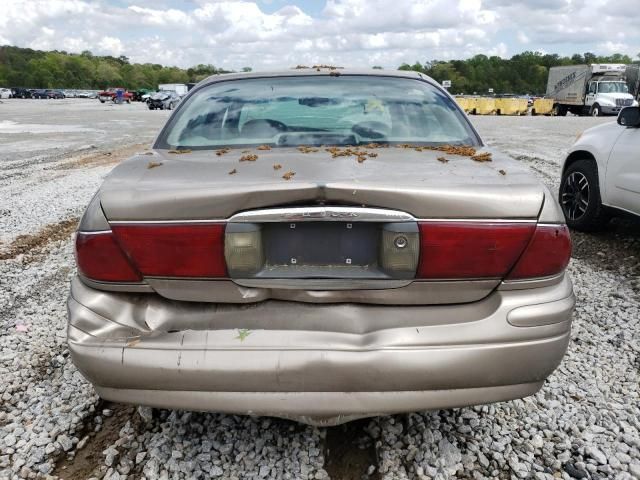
(322, 71)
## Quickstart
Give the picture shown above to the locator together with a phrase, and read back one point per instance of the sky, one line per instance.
(272, 34)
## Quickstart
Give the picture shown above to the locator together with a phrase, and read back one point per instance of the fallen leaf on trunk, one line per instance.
(277, 166)
(153, 165)
(249, 158)
(233, 172)
(289, 175)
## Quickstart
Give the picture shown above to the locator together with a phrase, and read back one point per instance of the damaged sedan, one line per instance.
(320, 245)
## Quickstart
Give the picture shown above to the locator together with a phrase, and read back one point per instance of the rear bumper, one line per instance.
(317, 363)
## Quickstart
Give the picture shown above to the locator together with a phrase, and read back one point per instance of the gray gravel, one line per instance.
(585, 422)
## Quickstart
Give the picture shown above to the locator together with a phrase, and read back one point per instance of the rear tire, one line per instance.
(579, 197)
(559, 110)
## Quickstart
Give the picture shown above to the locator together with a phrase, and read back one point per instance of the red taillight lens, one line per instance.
(454, 250)
(175, 250)
(100, 258)
(548, 253)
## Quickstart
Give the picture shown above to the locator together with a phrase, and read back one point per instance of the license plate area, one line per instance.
(321, 250)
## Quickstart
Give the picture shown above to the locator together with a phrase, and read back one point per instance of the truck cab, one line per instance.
(606, 96)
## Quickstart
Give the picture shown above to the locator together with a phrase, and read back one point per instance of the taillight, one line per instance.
(547, 254)
(100, 258)
(195, 250)
(458, 250)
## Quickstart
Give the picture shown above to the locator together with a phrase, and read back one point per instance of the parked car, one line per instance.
(5, 93)
(163, 100)
(20, 92)
(111, 94)
(321, 247)
(57, 94)
(40, 93)
(601, 174)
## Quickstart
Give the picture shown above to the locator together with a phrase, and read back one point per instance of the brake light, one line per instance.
(195, 250)
(547, 254)
(454, 250)
(100, 258)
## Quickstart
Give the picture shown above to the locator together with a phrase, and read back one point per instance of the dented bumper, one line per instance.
(318, 363)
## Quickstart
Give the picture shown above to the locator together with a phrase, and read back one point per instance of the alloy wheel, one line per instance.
(575, 195)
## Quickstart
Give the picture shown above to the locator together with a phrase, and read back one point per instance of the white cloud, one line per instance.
(237, 33)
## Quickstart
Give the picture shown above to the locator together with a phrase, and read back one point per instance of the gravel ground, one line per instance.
(584, 423)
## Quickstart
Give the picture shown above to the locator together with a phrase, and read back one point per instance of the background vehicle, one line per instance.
(40, 93)
(57, 94)
(180, 88)
(163, 100)
(111, 94)
(285, 251)
(5, 93)
(20, 92)
(632, 74)
(601, 174)
(597, 89)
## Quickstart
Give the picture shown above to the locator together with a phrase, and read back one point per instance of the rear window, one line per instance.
(317, 110)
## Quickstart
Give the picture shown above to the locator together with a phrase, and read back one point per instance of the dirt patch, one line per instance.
(98, 159)
(350, 451)
(89, 458)
(31, 245)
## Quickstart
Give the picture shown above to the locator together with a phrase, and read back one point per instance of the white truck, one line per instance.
(180, 88)
(597, 89)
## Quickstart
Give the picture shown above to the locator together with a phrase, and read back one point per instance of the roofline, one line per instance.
(302, 72)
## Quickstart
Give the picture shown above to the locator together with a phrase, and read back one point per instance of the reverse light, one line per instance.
(399, 249)
(243, 250)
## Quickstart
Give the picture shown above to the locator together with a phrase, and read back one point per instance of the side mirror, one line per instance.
(629, 117)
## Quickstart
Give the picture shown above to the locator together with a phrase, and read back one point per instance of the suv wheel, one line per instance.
(580, 197)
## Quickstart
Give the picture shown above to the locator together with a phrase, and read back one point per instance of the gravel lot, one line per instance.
(585, 422)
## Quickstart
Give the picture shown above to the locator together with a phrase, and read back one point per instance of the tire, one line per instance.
(595, 111)
(579, 197)
(102, 101)
(559, 110)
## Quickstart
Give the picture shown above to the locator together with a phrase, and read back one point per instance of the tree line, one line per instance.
(24, 67)
(524, 73)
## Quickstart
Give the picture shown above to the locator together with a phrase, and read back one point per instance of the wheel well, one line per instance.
(579, 155)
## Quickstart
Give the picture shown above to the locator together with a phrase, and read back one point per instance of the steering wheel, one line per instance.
(371, 129)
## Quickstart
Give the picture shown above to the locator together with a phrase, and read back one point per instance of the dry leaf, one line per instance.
(361, 158)
(153, 165)
(180, 151)
(145, 153)
(372, 155)
(249, 158)
(442, 160)
(263, 147)
(502, 172)
(222, 151)
(289, 175)
(277, 166)
(233, 172)
(482, 157)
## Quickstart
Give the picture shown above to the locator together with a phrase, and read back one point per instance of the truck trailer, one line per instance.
(632, 74)
(596, 89)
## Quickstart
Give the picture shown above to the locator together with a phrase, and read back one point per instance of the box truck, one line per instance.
(180, 88)
(632, 74)
(597, 89)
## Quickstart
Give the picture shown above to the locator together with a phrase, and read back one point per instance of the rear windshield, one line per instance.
(322, 110)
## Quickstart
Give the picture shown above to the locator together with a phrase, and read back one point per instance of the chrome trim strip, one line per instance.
(408, 218)
(164, 222)
(95, 232)
(321, 283)
(324, 213)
